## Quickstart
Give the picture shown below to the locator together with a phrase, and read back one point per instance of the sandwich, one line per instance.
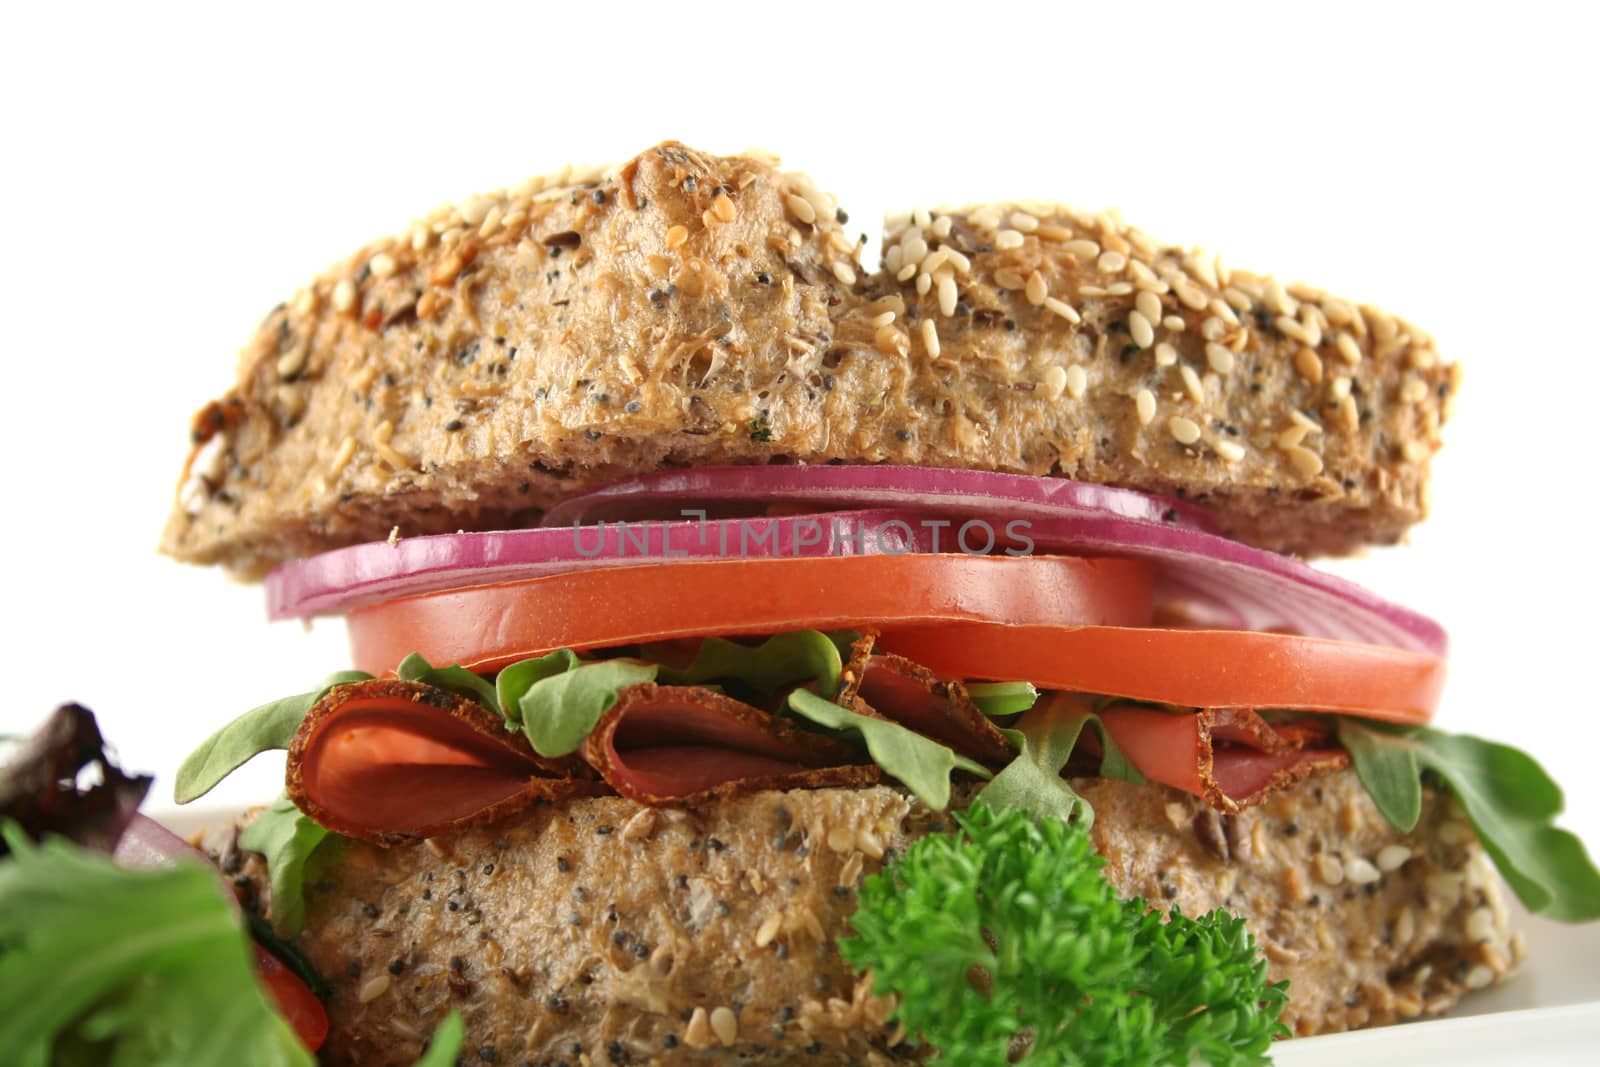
(758, 657)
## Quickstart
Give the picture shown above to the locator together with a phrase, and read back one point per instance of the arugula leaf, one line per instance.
(1510, 800)
(446, 1044)
(780, 660)
(920, 763)
(558, 710)
(999, 699)
(514, 681)
(287, 837)
(143, 967)
(1045, 738)
(269, 726)
(455, 678)
(1005, 937)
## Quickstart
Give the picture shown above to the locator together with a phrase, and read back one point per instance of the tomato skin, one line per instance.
(486, 627)
(1189, 668)
(293, 999)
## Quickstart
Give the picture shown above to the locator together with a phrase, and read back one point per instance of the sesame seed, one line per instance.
(1231, 451)
(1191, 384)
(1063, 309)
(292, 362)
(882, 320)
(698, 1033)
(1054, 383)
(1083, 249)
(1220, 358)
(1405, 927)
(1415, 451)
(1421, 358)
(1077, 381)
(344, 295)
(1148, 304)
(725, 1024)
(842, 271)
(768, 933)
(1183, 430)
(1119, 288)
(920, 216)
(381, 265)
(491, 222)
(941, 226)
(1350, 413)
(1413, 390)
(1189, 294)
(1340, 388)
(473, 210)
(841, 839)
(1479, 977)
(1361, 871)
(1278, 301)
(1219, 307)
(1023, 221)
(957, 260)
(341, 458)
(1145, 404)
(930, 338)
(800, 208)
(1480, 924)
(1006, 240)
(1309, 365)
(1166, 355)
(1174, 323)
(1111, 262)
(1213, 328)
(1008, 279)
(913, 249)
(1292, 328)
(1392, 857)
(1050, 232)
(1036, 291)
(934, 260)
(374, 987)
(924, 283)
(1139, 328)
(1329, 869)
(893, 259)
(1305, 462)
(677, 236)
(906, 273)
(722, 207)
(947, 294)
(1291, 436)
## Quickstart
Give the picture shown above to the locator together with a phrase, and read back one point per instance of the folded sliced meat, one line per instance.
(908, 693)
(665, 744)
(389, 761)
(1230, 756)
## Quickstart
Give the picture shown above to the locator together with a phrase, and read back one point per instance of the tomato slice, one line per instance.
(1190, 668)
(293, 999)
(485, 627)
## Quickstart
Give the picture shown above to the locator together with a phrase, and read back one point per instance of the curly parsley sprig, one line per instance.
(1004, 945)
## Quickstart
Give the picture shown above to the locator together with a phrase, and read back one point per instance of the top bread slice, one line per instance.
(692, 310)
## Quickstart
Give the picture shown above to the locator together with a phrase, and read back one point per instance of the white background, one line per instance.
(169, 176)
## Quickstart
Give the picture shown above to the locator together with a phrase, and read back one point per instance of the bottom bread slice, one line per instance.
(599, 932)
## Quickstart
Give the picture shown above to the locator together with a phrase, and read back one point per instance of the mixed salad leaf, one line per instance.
(287, 838)
(1004, 943)
(1045, 737)
(1510, 800)
(144, 967)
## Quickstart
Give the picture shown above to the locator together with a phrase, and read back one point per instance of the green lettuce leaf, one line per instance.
(920, 763)
(999, 699)
(558, 710)
(1045, 738)
(1510, 800)
(780, 660)
(287, 838)
(454, 678)
(269, 726)
(512, 683)
(107, 965)
(445, 1047)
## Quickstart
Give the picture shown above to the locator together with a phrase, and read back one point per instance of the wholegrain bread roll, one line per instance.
(685, 309)
(599, 931)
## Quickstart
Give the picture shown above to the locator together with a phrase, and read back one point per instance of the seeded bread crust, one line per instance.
(600, 929)
(686, 309)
